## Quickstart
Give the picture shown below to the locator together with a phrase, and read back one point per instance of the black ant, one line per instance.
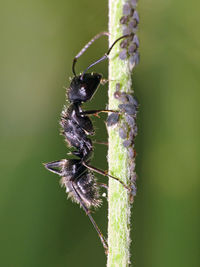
(76, 174)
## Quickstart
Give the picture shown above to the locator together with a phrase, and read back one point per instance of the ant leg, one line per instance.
(86, 47)
(103, 81)
(100, 143)
(97, 111)
(87, 211)
(102, 238)
(105, 173)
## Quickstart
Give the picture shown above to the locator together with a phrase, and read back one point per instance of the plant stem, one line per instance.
(118, 159)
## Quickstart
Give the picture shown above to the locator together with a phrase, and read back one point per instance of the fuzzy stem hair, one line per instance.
(119, 206)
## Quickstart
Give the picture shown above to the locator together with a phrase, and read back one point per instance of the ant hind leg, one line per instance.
(87, 211)
(105, 173)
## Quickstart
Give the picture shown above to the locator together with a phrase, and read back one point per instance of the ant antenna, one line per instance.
(106, 54)
(85, 48)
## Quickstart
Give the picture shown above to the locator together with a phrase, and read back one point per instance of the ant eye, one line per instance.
(82, 91)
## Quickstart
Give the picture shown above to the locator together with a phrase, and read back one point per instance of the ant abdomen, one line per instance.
(84, 188)
(79, 182)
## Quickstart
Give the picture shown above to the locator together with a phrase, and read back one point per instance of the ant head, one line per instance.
(83, 87)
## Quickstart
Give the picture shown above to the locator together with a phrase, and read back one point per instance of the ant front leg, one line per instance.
(95, 112)
(112, 119)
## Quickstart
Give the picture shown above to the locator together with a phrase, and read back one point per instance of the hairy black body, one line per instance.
(76, 127)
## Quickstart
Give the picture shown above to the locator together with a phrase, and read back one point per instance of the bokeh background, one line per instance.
(38, 225)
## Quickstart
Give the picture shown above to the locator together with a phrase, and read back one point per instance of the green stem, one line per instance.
(118, 159)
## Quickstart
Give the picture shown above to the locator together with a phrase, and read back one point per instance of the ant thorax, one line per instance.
(86, 190)
(75, 113)
(74, 130)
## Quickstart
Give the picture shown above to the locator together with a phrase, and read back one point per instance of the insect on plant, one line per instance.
(77, 173)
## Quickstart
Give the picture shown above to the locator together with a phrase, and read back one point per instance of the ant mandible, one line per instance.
(77, 174)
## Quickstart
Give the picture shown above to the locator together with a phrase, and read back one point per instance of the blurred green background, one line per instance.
(38, 225)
